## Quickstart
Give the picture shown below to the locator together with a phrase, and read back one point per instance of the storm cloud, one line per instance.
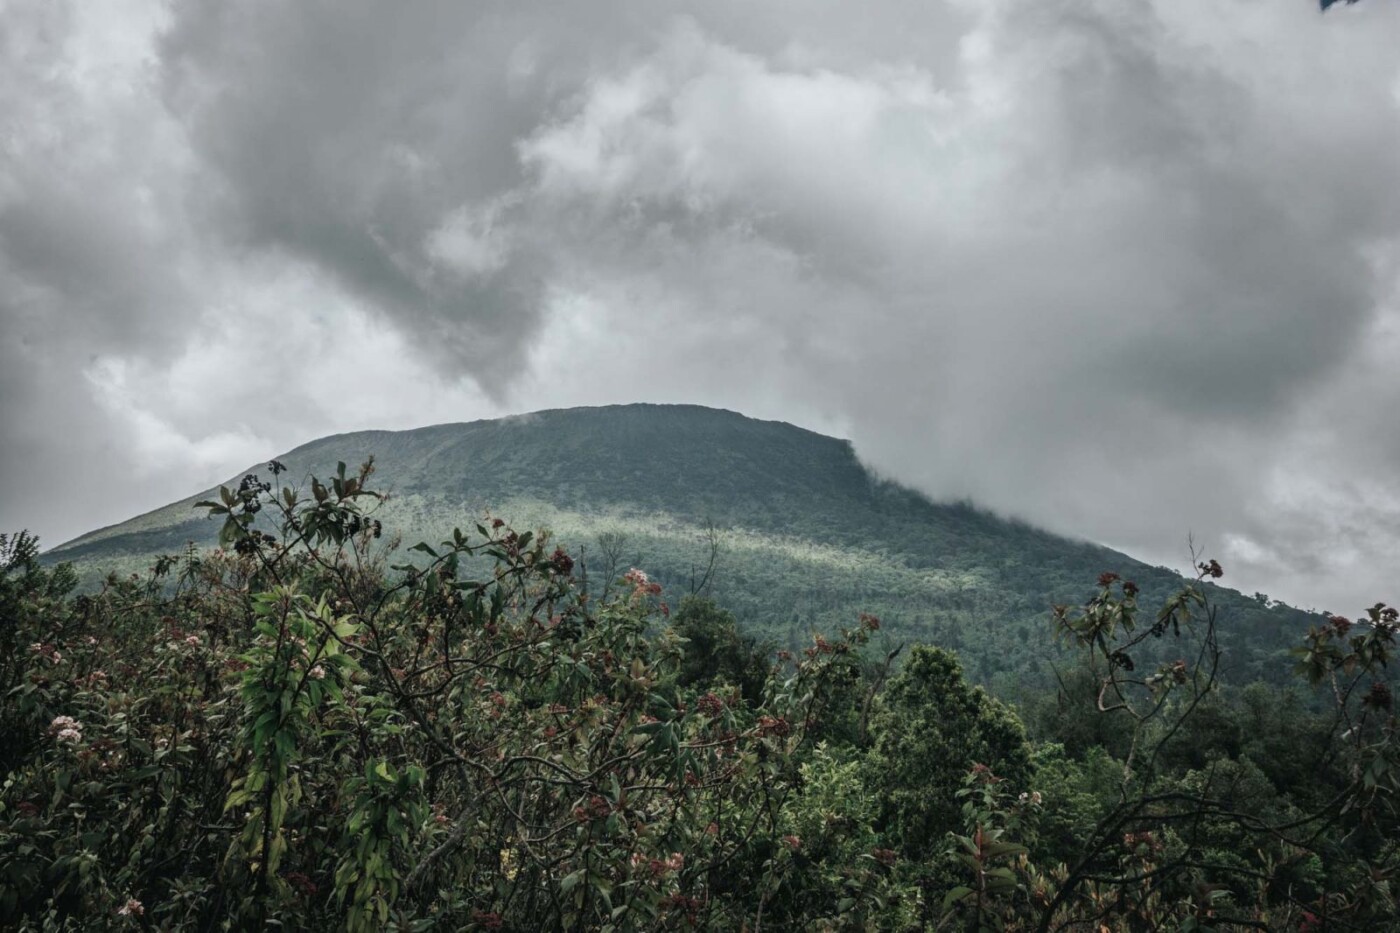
(1128, 270)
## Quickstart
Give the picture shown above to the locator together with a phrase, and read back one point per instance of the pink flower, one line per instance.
(642, 585)
(132, 908)
(67, 730)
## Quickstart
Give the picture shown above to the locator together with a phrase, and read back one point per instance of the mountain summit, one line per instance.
(808, 536)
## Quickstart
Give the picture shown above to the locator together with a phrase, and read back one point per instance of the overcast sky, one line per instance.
(1130, 270)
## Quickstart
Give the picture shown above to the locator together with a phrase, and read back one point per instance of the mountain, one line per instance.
(808, 535)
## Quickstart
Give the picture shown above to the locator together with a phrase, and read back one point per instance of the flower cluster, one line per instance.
(642, 585)
(48, 652)
(821, 646)
(1144, 842)
(598, 808)
(710, 705)
(773, 725)
(659, 867)
(66, 729)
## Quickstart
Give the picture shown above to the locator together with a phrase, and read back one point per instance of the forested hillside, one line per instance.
(806, 535)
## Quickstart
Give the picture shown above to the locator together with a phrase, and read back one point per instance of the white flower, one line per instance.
(66, 729)
(132, 908)
(192, 641)
(317, 673)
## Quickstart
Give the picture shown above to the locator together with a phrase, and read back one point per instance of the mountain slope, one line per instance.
(809, 536)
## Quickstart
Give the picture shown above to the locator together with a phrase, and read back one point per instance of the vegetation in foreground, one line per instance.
(289, 732)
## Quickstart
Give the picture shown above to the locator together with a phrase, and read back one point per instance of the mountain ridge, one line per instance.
(98, 534)
(811, 535)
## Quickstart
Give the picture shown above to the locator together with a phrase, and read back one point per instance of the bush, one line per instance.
(287, 731)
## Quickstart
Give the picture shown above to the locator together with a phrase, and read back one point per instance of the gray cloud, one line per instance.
(1128, 270)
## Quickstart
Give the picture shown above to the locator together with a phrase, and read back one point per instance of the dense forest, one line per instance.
(807, 535)
(303, 727)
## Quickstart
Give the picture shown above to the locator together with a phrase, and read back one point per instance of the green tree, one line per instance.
(715, 652)
(929, 730)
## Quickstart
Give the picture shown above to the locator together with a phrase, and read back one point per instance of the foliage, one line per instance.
(715, 653)
(292, 730)
(1199, 835)
(296, 733)
(930, 729)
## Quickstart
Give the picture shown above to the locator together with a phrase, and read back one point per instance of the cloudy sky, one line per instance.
(1130, 270)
